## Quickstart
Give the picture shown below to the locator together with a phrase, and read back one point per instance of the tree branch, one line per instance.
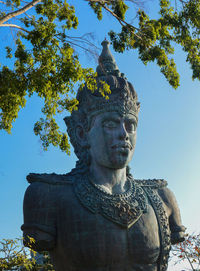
(15, 26)
(120, 20)
(18, 12)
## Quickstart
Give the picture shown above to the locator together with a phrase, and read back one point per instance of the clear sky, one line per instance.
(168, 137)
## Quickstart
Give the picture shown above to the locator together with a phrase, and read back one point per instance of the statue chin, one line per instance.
(116, 160)
(121, 161)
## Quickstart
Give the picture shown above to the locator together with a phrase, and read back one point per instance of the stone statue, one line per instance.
(97, 217)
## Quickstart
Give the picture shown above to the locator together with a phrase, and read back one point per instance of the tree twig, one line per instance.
(83, 40)
(78, 45)
(15, 26)
(18, 12)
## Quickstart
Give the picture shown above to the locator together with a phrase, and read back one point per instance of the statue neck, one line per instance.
(113, 181)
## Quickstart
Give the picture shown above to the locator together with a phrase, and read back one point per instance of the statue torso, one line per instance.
(89, 241)
(88, 238)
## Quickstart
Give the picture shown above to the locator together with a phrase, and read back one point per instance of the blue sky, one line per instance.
(168, 136)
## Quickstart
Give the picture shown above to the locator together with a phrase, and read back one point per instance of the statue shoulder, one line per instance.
(175, 223)
(41, 204)
(152, 183)
(48, 187)
(171, 206)
(45, 188)
(52, 179)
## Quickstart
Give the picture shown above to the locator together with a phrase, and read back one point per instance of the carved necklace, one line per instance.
(123, 209)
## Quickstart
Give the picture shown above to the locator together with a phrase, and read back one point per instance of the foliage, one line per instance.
(189, 251)
(50, 69)
(46, 64)
(14, 256)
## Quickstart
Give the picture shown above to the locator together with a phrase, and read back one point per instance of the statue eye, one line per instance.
(130, 126)
(110, 124)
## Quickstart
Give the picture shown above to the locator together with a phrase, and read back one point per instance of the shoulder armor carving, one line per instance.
(52, 178)
(153, 183)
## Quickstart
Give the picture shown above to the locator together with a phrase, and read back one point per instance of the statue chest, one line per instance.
(92, 240)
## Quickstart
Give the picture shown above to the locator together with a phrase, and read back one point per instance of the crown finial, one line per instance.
(107, 64)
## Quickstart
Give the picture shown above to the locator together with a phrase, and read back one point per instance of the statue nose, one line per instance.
(123, 132)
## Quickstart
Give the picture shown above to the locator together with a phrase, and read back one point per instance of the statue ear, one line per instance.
(81, 135)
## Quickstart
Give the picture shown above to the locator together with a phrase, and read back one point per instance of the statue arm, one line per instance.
(175, 224)
(39, 217)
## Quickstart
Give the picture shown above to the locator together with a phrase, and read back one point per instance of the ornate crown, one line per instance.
(123, 97)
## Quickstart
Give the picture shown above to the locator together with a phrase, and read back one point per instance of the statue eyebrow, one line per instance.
(131, 119)
(111, 118)
(117, 118)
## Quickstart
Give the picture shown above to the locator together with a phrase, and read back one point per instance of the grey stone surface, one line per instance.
(97, 217)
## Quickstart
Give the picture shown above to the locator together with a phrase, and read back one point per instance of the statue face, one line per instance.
(112, 139)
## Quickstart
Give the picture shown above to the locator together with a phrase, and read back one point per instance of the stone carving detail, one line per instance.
(163, 226)
(124, 209)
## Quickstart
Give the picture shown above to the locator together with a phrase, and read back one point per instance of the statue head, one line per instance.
(95, 111)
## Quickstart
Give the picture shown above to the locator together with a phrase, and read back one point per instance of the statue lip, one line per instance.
(124, 145)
